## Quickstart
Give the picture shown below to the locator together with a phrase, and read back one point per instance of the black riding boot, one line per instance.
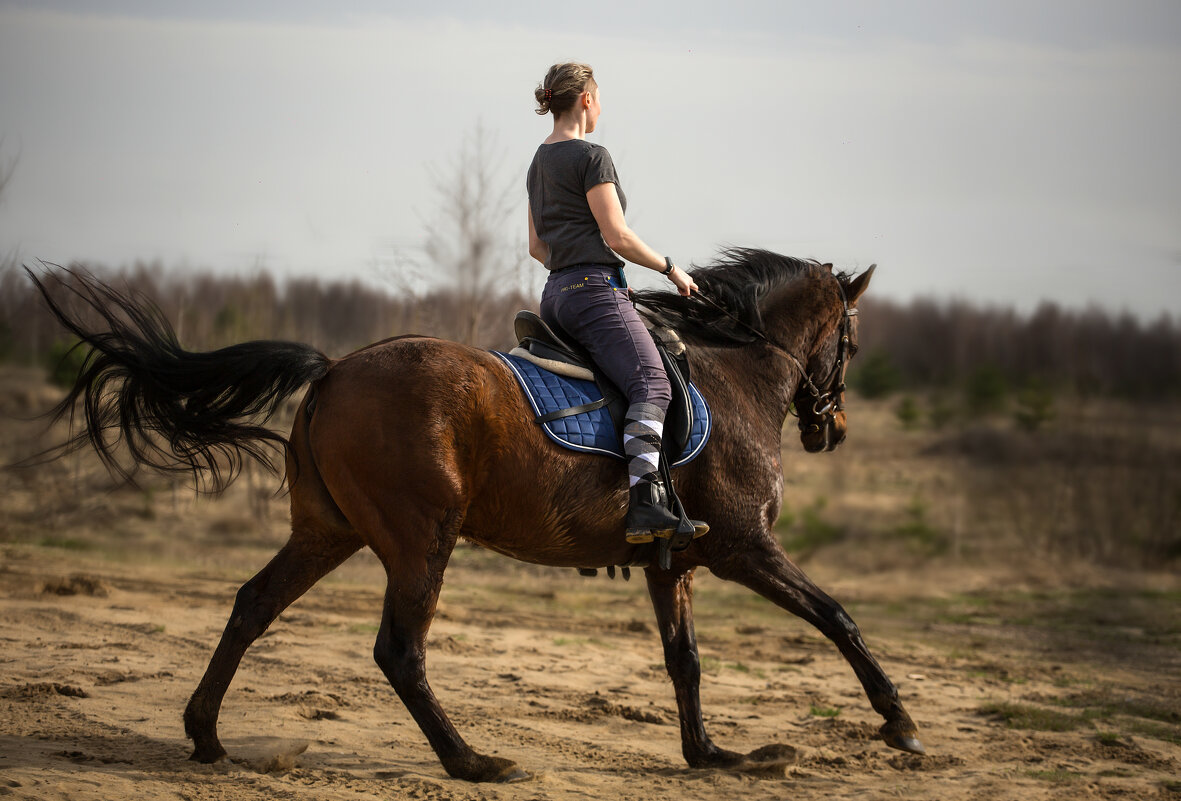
(648, 515)
(648, 512)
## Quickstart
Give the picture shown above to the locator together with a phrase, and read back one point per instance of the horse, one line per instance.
(409, 444)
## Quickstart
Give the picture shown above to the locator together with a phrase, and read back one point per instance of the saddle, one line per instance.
(558, 353)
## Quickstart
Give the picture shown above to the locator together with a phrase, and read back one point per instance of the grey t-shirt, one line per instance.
(559, 178)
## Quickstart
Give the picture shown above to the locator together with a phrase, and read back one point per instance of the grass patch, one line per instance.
(1116, 715)
(1157, 731)
(1147, 716)
(364, 628)
(1027, 716)
(711, 664)
(998, 674)
(917, 532)
(1150, 708)
(66, 543)
(824, 711)
(812, 533)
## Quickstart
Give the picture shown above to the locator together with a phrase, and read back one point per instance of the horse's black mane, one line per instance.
(737, 280)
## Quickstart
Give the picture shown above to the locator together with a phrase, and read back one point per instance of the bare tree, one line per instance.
(7, 169)
(8, 271)
(469, 242)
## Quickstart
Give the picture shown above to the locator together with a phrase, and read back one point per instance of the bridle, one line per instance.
(827, 402)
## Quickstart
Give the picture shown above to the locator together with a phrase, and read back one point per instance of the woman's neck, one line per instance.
(568, 126)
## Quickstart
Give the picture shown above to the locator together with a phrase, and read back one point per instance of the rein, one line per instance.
(825, 404)
(759, 334)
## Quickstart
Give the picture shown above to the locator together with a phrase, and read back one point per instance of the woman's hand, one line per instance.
(683, 281)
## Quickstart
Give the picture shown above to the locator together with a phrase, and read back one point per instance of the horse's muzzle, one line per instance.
(823, 435)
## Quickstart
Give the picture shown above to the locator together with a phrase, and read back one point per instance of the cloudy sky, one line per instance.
(1004, 153)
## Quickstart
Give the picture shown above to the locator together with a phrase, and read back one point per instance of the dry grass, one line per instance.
(1101, 484)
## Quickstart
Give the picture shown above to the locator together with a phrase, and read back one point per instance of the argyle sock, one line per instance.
(643, 427)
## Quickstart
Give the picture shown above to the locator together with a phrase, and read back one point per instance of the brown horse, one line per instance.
(409, 444)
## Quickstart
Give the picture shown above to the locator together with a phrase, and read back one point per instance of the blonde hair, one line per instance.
(562, 86)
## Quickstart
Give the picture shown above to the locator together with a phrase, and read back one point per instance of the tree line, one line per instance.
(926, 344)
(210, 311)
(919, 345)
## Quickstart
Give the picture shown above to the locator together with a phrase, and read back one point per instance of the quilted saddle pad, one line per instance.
(593, 431)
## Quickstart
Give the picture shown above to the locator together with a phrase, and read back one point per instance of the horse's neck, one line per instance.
(753, 378)
(765, 372)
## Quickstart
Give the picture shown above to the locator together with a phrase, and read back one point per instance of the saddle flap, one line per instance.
(678, 420)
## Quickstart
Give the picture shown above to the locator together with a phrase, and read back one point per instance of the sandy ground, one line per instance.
(564, 675)
(1028, 681)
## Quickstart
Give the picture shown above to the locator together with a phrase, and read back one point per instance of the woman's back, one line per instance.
(559, 178)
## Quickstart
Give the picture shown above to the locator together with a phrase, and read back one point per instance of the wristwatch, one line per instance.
(670, 266)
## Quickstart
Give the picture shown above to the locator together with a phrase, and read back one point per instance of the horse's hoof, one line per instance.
(513, 776)
(717, 758)
(775, 753)
(207, 756)
(902, 740)
(480, 768)
(910, 744)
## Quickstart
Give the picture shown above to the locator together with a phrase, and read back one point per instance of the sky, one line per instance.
(1002, 153)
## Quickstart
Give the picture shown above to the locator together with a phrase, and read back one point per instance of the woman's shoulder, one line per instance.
(592, 155)
(580, 146)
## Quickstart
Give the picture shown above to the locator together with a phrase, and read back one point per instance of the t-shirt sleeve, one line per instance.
(600, 169)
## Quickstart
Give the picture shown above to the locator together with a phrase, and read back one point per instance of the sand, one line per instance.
(560, 673)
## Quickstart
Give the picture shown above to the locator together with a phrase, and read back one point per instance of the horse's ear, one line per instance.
(858, 285)
(827, 266)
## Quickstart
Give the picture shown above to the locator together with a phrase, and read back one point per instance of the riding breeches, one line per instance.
(591, 304)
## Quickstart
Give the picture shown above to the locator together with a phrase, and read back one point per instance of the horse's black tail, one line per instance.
(174, 410)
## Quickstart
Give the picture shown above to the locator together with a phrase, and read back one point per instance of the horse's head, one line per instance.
(795, 307)
(820, 395)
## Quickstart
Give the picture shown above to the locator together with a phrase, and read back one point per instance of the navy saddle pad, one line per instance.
(593, 431)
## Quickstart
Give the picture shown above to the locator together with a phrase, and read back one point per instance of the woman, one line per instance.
(576, 228)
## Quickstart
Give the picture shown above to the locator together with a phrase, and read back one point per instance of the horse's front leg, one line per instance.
(769, 572)
(672, 598)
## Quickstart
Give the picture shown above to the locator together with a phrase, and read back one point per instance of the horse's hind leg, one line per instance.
(771, 574)
(415, 565)
(307, 557)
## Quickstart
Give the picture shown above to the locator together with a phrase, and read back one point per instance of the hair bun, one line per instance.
(560, 90)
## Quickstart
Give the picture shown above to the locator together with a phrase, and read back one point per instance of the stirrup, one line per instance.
(642, 536)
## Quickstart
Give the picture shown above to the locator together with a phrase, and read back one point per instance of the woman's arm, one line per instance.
(537, 249)
(604, 204)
